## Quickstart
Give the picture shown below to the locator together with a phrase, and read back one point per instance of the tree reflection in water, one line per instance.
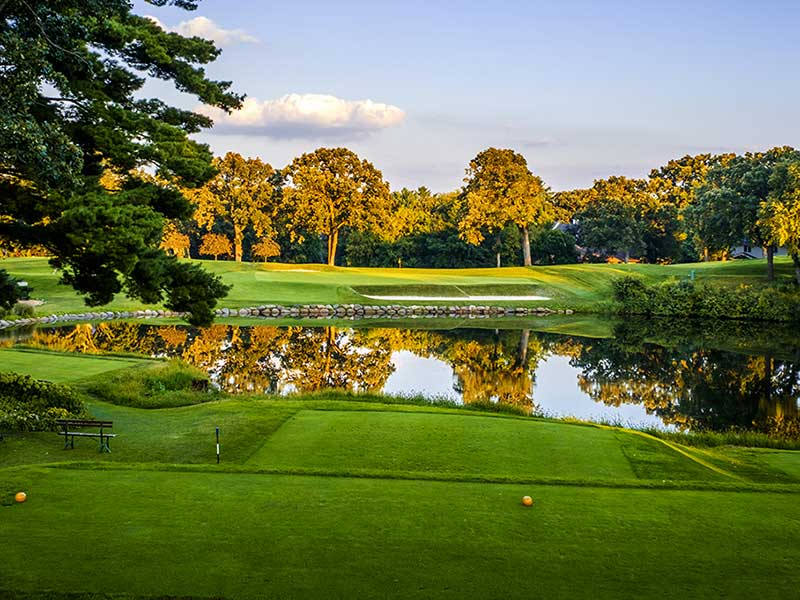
(683, 379)
(693, 388)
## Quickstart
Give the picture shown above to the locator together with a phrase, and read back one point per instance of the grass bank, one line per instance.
(329, 496)
(578, 287)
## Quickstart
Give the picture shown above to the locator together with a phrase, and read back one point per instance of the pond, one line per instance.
(674, 375)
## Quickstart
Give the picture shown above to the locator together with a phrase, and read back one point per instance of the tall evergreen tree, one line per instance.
(71, 109)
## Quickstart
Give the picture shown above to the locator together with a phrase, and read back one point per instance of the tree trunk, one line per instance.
(238, 236)
(498, 260)
(526, 247)
(333, 240)
(796, 261)
(522, 356)
(705, 254)
(770, 263)
(627, 256)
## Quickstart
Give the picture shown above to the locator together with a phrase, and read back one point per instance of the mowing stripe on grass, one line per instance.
(61, 367)
(256, 536)
(442, 443)
(679, 449)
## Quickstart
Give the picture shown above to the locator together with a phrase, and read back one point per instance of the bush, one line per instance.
(163, 385)
(631, 292)
(553, 247)
(685, 298)
(23, 310)
(27, 404)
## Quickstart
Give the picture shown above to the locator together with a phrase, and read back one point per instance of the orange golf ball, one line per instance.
(21, 497)
(527, 501)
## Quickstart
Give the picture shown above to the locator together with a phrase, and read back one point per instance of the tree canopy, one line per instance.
(499, 190)
(779, 215)
(72, 109)
(332, 188)
(215, 244)
(240, 194)
(613, 220)
(729, 204)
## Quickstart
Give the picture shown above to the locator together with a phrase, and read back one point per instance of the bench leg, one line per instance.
(104, 444)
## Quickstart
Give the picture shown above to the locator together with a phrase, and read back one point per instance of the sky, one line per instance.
(583, 90)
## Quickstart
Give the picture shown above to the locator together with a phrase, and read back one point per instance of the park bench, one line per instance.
(68, 427)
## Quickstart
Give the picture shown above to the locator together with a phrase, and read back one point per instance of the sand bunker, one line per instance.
(458, 298)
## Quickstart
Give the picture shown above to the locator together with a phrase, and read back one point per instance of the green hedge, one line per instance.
(687, 298)
(27, 404)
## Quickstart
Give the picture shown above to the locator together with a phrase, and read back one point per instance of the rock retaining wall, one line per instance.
(305, 311)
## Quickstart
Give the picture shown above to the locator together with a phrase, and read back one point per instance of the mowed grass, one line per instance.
(60, 367)
(331, 497)
(246, 536)
(569, 286)
(386, 443)
(397, 442)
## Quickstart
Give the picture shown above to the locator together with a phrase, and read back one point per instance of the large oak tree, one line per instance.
(332, 188)
(613, 221)
(72, 108)
(779, 215)
(728, 210)
(500, 190)
(241, 195)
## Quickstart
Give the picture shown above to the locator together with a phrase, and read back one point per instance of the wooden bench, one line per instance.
(68, 427)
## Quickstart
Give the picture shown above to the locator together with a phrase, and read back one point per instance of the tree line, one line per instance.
(94, 172)
(691, 208)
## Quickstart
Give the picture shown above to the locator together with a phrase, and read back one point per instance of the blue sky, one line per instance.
(583, 89)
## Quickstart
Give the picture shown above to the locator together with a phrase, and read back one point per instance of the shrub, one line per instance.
(685, 298)
(553, 247)
(631, 292)
(23, 310)
(27, 404)
(169, 384)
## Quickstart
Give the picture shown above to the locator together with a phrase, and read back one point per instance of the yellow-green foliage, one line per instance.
(685, 298)
(27, 404)
(172, 383)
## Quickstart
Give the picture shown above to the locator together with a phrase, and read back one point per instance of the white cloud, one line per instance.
(206, 28)
(306, 116)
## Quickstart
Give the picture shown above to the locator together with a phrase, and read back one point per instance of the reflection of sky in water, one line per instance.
(416, 374)
(557, 393)
(556, 389)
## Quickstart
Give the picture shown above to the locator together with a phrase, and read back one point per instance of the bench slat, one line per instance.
(83, 423)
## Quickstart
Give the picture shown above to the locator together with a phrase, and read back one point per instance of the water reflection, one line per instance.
(648, 373)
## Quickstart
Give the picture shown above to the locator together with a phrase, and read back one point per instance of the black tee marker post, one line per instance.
(217, 445)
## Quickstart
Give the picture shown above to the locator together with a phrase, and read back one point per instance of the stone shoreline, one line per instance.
(304, 311)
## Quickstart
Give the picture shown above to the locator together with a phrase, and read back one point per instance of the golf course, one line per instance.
(381, 300)
(334, 495)
(580, 287)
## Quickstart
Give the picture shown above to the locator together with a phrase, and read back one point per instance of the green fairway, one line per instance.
(60, 367)
(568, 286)
(331, 497)
(387, 442)
(257, 536)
